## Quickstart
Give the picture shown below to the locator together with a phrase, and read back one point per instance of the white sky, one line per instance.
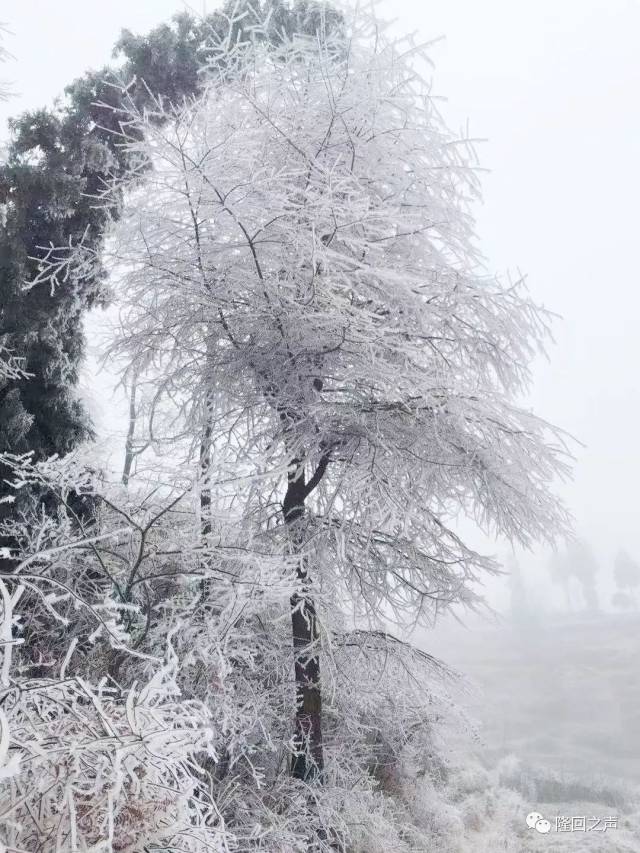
(553, 85)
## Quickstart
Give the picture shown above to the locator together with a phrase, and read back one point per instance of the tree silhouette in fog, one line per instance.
(626, 573)
(576, 561)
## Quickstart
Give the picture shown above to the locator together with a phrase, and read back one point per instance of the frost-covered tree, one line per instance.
(302, 291)
(56, 160)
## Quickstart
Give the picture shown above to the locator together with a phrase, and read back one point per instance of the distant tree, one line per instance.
(622, 601)
(576, 561)
(561, 571)
(585, 569)
(626, 573)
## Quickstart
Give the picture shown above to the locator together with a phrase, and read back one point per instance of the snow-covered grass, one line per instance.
(476, 809)
(557, 708)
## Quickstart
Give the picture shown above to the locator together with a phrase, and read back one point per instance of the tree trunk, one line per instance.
(205, 446)
(129, 453)
(307, 762)
(205, 475)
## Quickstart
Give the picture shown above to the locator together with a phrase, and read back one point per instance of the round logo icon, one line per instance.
(543, 826)
(533, 818)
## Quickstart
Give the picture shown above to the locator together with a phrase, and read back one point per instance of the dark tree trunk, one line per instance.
(205, 484)
(205, 498)
(308, 761)
(205, 450)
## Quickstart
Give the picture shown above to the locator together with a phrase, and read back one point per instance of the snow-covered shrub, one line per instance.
(95, 768)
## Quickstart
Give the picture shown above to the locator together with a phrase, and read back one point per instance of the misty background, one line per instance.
(552, 88)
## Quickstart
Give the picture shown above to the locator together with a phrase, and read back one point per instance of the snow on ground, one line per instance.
(557, 702)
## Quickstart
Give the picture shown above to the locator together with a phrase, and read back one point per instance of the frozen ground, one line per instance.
(557, 701)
